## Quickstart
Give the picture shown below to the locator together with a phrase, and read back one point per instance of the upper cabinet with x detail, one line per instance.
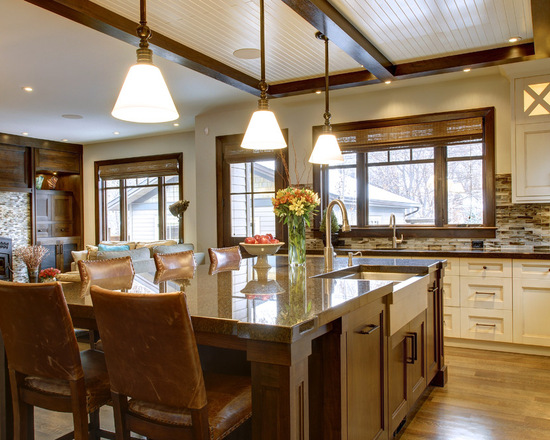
(531, 139)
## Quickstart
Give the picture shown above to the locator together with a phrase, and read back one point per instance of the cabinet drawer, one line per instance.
(533, 269)
(53, 160)
(451, 290)
(62, 230)
(451, 322)
(43, 231)
(486, 293)
(487, 325)
(453, 266)
(480, 267)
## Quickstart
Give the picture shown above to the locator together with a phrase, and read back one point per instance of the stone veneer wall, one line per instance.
(520, 226)
(15, 223)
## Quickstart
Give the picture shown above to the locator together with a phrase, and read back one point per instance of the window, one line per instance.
(247, 180)
(134, 196)
(432, 171)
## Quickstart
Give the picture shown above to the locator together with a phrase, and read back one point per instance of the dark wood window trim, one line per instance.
(222, 180)
(440, 230)
(100, 206)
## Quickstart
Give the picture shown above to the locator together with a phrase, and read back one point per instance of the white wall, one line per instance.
(171, 143)
(300, 113)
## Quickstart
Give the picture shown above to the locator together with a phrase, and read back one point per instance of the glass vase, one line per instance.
(296, 240)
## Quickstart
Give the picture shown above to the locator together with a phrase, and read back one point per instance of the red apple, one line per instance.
(275, 240)
(264, 240)
(250, 240)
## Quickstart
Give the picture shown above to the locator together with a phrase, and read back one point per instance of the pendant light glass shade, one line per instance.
(144, 97)
(326, 150)
(263, 132)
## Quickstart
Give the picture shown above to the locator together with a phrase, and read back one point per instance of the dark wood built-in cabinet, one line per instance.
(56, 202)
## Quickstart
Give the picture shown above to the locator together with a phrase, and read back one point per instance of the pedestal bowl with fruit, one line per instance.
(261, 246)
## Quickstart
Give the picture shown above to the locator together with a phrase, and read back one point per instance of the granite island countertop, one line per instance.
(501, 252)
(276, 304)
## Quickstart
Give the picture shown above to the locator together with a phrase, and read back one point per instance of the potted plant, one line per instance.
(334, 228)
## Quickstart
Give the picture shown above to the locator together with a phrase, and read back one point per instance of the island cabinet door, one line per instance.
(406, 369)
(365, 409)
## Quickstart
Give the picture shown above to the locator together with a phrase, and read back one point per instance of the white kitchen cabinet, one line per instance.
(531, 174)
(486, 292)
(485, 267)
(532, 302)
(486, 325)
(531, 139)
(451, 322)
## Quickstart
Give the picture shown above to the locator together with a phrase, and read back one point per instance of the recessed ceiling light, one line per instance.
(514, 39)
(387, 82)
(317, 92)
(25, 133)
(64, 140)
(27, 89)
(116, 132)
(176, 124)
(467, 69)
(69, 116)
(247, 54)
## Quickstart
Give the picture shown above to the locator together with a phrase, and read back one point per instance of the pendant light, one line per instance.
(144, 96)
(263, 132)
(326, 150)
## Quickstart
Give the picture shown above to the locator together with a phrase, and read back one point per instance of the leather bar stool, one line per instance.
(101, 269)
(45, 366)
(225, 257)
(174, 261)
(158, 387)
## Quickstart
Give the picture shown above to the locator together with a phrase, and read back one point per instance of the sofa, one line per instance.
(140, 252)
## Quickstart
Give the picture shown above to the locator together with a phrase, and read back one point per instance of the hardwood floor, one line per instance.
(489, 396)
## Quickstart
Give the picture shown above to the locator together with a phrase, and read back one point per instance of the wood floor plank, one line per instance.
(489, 396)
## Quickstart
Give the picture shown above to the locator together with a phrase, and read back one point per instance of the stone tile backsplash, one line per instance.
(15, 223)
(520, 226)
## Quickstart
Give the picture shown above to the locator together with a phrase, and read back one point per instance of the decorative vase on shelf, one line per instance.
(296, 240)
(33, 274)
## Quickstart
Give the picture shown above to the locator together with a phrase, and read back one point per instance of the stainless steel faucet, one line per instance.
(394, 240)
(329, 251)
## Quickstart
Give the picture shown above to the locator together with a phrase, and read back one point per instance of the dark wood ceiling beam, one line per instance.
(484, 58)
(338, 81)
(96, 17)
(540, 10)
(328, 20)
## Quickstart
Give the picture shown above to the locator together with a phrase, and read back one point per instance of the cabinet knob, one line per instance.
(484, 267)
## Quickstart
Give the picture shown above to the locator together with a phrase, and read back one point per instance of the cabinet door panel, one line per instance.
(43, 207)
(417, 369)
(397, 378)
(366, 373)
(52, 160)
(531, 305)
(62, 208)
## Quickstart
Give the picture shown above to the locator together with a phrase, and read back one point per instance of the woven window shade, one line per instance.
(451, 131)
(131, 170)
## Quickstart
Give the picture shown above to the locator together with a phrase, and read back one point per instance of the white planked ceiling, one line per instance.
(218, 28)
(402, 30)
(419, 29)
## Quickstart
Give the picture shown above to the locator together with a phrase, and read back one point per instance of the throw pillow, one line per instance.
(92, 252)
(113, 248)
(79, 255)
(135, 254)
(173, 248)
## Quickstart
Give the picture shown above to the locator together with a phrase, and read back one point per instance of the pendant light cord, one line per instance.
(327, 114)
(326, 128)
(262, 103)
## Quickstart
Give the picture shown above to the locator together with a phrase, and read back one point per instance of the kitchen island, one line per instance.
(340, 355)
